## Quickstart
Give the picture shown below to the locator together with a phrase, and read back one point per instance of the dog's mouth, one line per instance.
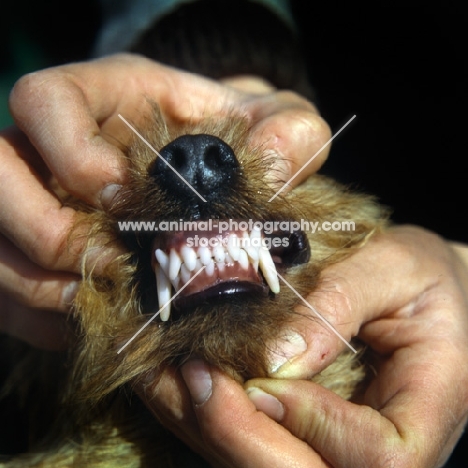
(196, 266)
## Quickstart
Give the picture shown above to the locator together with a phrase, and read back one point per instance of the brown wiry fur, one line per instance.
(99, 423)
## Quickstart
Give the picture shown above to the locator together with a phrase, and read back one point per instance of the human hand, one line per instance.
(68, 131)
(405, 295)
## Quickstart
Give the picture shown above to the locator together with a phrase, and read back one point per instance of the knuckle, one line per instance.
(399, 451)
(34, 93)
(334, 299)
(28, 88)
(315, 127)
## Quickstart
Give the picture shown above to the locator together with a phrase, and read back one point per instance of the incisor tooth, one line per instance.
(184, 273)
(243, 259)
(219, 254)
(233, 247)
(174, 264)
(189, 256)
(164, 291)
(209, 270)
(205, 255)
(269, 270)
(251, 250)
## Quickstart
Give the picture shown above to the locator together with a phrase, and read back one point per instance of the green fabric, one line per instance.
(26, 57)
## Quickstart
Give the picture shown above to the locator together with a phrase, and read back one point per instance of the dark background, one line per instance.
(402, 71)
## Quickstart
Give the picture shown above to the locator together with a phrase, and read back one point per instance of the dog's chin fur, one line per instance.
(99, 423)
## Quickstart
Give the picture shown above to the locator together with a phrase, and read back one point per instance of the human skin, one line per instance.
(404, 293)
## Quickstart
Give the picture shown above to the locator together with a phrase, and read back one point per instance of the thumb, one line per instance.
(344, 433)
(369, 285)
(232, 428)
(289, 127)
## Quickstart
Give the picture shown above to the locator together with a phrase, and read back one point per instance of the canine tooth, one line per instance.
(185, 273)
(243, 259)
(174, 264)
(163, 287)
(189, 256)
(219, 254)
(269, 270)
(228, 260)
(205, 255)
(163, 260)
(233, 247)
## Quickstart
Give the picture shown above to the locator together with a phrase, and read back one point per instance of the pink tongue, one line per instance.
(222, 273)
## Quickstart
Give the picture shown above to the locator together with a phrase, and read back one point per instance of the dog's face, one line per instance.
(224, 271)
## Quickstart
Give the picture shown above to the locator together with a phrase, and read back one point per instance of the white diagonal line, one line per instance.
(312, 158)
(323, 319)
(157, 152)
(159, 311)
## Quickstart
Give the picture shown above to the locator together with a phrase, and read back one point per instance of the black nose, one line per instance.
(203, 161)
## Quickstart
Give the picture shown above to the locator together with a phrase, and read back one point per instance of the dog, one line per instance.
(184, 286)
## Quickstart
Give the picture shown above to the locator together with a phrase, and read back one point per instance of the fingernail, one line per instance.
(197, 377)
(108, 194)
(266, 403)
(286, 348)
(69, 293)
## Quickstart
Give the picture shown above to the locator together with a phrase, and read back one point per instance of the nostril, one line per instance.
(215, 157)
(177, 158)
(203, 161)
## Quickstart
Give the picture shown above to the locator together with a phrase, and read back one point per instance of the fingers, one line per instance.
(167, 397)
(70, 118)
(31, 216)
(290, 127)
(32, 285)
(54, 110)
(31, 299)
(404, 433)
(284, 124)
(345, 434)
(213, 415)
(230, 424)
(316, 427)
(369, 285)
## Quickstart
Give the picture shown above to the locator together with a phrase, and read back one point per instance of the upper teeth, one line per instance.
(177, 268)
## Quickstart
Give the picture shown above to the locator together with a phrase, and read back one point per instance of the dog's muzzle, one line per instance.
(196, 266)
